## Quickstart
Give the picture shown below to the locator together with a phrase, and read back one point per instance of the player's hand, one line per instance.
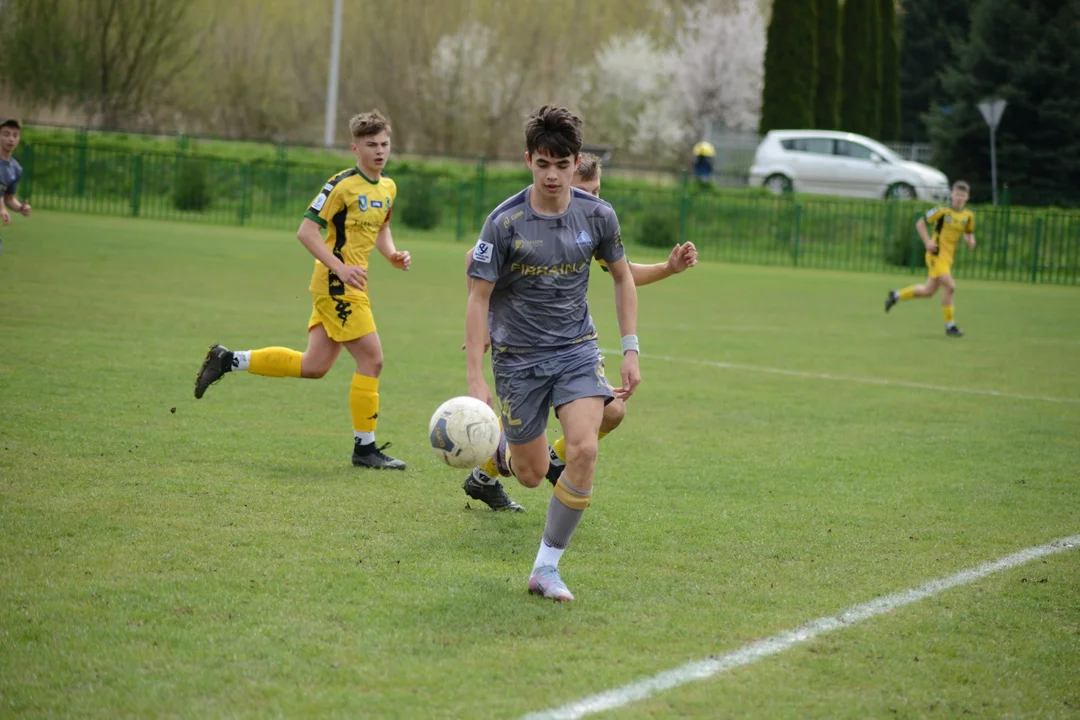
(352, 275)
(932, 248)
(631, 375)
(481, 392)
(25, 210)
(971, 243)
(401, 260)
(4, 216)
(682, 257)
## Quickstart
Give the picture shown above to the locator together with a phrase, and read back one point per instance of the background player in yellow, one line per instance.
(354, 208)
(483, 484)
(949, 225)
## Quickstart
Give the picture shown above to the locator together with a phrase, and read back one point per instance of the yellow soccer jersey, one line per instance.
(948, 226)
(352, 209)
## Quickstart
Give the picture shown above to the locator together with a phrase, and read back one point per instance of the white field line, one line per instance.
(747, 654)
(849, 378)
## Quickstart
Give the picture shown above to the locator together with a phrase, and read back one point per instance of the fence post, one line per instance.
(136, 184)
(28, 167)
(1038, 244)
(796, 218)
(246, 172)
(461, 211)
(913, 252)
(80, 162)
(478, 211)
(684, 209)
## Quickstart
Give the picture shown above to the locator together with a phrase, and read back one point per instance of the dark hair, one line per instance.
(555, 131)
(11, 123)
(961, 185)
(589, 167)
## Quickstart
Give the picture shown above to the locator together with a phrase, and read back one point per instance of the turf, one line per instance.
(797, 452)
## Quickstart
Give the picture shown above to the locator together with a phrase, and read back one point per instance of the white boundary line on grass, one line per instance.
(849, 378)
(747, 654)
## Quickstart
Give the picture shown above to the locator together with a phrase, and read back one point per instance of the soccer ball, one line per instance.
(464, 432)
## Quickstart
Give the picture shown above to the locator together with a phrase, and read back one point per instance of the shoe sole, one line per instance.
(561, 598)
(377, 467)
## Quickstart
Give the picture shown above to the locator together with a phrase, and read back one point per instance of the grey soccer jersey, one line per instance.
(540, 267)
(10, 172)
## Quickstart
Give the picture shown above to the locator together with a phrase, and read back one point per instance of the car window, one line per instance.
(820, 146)
(846, 148)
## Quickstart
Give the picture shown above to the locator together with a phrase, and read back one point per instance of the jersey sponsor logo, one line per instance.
(506, 223)
(362, 202)
(564, 269)
(930, 212)
(320, 200)
(518, 214)
(482, 252)
(583, 238)
(522, 242)
(376, 204)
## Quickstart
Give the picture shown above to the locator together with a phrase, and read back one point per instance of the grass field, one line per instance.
(792, 452)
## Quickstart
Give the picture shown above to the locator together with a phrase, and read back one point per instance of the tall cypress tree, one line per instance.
(1028, 54)
(790, 66)
(890, 73)
(860, 92)
(827, 97)
(930, 31)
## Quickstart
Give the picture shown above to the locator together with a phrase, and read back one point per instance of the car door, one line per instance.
(860, 171)
(814, 163)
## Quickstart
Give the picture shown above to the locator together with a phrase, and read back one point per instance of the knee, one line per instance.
(313, 368)
(613, 415)
(370, 366)
(582, 453)
(528, 476)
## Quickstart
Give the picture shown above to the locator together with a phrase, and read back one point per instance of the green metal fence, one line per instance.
(730, 225)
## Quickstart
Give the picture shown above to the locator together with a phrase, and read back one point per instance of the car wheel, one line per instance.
(778, 184)
(900, 191)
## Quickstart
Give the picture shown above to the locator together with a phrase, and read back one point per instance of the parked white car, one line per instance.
(838, 163)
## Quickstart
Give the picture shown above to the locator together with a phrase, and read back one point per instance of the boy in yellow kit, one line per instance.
(950, 224)
(354, 207)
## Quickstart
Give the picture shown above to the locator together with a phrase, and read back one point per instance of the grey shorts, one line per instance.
(526, 394)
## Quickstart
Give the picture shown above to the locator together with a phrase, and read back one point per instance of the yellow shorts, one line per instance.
(938, 265)
(344, 318)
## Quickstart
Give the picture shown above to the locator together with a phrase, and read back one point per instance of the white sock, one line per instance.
(241, 360)
(482, 477)
(950, 324)
(554, 459)
(548, 555)
(365, 438)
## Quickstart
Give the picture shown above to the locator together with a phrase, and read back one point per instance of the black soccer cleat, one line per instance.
(372, 456)
(491, 494)
(892, 299)
(555, 467)
(218, 362)
(954, 331)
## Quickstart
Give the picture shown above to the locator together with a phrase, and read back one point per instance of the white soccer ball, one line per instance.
(464, 432)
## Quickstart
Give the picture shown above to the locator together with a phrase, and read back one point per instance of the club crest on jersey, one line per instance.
(362, 202)
(583, 238)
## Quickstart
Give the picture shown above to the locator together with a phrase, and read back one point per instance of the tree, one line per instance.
(787, 100)
(827, 95)
(930, 31)
(890, 71)
(1028, 55)
(860, 94)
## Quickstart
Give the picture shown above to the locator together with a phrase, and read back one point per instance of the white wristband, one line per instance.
(630, 342)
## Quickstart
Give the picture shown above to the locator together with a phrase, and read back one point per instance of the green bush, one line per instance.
(658, 226)
(192, 192)
(419, 202)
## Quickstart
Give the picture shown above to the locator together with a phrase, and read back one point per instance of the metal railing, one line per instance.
(737, 225)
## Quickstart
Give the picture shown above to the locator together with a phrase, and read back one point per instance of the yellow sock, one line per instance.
(948, 311)
(559, 446)
(489, 468)
(275, 362)
(907, 293)
(364, 403)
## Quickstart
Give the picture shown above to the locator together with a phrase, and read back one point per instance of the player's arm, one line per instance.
(476, 337)
(310, 236)
(682, 257)
(4, 216)
(468, 261)
(10, 201)
(384, 243)
(924, 233)
(626, 311)
(969, 232)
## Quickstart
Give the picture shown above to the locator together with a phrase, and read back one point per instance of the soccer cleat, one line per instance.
(372, 456)
(953, 331)
(555, 466)
(891, 299)
(502, 456)
(545, 581)
(218, 362)
(490, 493)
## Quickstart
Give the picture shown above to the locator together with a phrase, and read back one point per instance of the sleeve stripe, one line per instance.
(314, 217)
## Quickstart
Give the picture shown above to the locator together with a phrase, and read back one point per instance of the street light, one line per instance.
(991, 110)
(332, 80)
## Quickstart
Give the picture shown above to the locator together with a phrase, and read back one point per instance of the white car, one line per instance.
(838, 163)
